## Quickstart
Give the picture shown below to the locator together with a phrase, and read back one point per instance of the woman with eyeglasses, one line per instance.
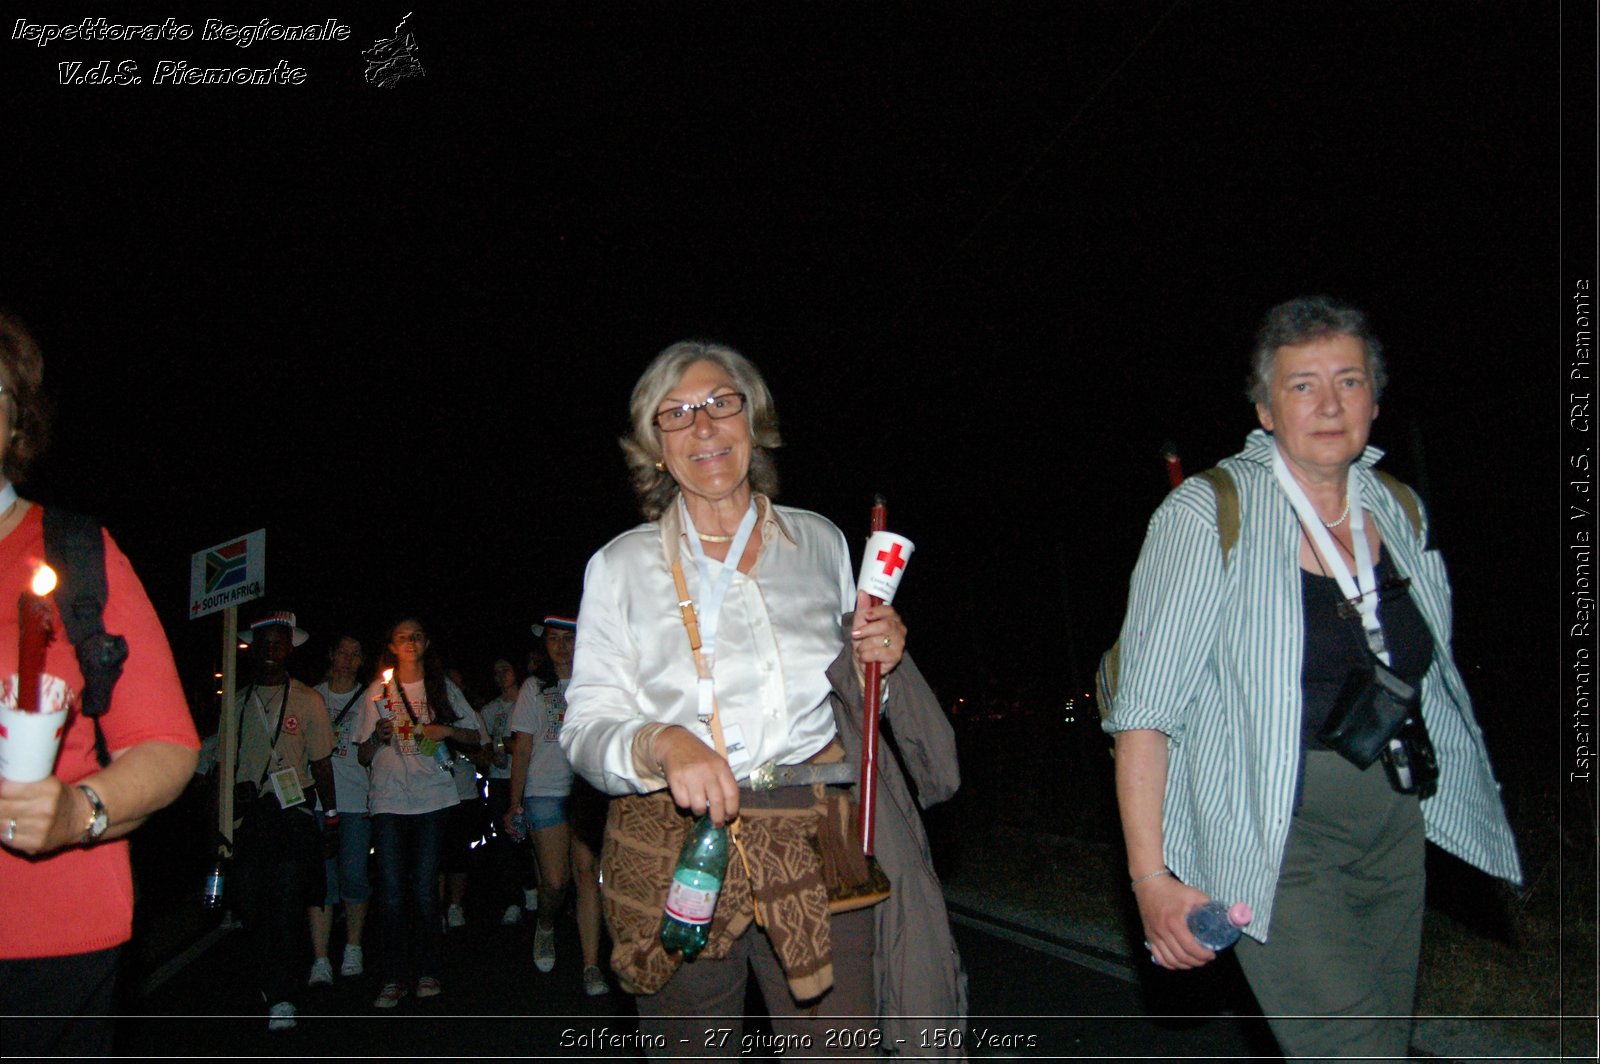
(1286, 689)
(679, 726)
(413, 724)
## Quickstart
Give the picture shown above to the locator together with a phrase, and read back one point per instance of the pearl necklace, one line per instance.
(1342, 515)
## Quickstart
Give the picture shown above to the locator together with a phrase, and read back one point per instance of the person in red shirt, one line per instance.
(64, 872)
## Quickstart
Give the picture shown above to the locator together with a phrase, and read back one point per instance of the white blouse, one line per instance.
(780, 629)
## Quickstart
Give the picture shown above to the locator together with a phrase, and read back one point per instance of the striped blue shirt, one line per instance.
(1212, 657)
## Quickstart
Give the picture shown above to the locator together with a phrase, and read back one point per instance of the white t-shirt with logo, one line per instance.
(350, 776)
(540, 713)
(404, 780)
(497, 719)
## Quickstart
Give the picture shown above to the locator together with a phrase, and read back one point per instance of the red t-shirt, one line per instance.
(78, 900)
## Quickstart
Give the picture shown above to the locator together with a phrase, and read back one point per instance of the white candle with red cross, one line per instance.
(883, 563)
(32, 726)
(383, 698)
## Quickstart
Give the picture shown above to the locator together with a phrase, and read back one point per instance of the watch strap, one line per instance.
(98, 821)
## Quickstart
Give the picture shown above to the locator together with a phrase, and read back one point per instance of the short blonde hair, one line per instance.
(653, 486)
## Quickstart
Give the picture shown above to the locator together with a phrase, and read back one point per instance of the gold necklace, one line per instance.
(705, 538)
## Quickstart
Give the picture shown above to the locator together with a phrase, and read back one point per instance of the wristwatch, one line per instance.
(98, 821)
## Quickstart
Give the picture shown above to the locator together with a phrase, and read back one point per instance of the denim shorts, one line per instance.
(543, 813)
(346, 874)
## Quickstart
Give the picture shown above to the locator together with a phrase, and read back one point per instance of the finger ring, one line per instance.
(887, 642)
(11, 830)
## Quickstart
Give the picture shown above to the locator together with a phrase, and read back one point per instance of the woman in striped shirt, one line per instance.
(1232, 665)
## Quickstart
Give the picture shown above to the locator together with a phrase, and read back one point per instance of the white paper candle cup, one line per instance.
(883, 563)
(29, 742)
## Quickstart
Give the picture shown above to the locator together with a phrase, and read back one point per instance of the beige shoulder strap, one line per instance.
(1227, 493)
(1405, 497)
(691, 624)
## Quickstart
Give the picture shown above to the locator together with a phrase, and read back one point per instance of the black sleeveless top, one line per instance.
(1335, 645)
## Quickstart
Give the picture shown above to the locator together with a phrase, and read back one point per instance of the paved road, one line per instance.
(1031, 997)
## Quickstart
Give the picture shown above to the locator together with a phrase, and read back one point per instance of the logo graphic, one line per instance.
(883, 564)
(389, 60)
(226, 566)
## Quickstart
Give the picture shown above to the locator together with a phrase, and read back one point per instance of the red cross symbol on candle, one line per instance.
(891, 560)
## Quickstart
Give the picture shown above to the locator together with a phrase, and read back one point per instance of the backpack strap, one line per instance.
(1227, 493)
(1406, 497)
(75, 548)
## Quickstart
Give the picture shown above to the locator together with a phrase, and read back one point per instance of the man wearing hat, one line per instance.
(285, 748)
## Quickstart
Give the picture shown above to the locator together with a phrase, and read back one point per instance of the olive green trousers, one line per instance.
(1338, 975)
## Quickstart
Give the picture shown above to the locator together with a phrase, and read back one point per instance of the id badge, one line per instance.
(738, 753)
(286, 785)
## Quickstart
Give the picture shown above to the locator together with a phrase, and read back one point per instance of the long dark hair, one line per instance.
(434, 684)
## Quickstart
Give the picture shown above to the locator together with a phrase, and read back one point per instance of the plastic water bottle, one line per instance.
(216, 880)
(438, 751)
(1216, 926)
(696, 883)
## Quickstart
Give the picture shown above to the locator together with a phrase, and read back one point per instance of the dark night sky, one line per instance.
(989, 257)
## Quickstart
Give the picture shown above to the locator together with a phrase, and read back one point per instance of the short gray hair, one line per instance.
(1306, 320)
(654, 487)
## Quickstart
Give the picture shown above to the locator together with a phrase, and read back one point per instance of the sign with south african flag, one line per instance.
(228, 574)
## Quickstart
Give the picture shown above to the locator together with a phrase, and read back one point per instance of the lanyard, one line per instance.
(353, 696)
(272, 739)
(8, 497)
(712, 591)
(433, 714)
(1359, 588)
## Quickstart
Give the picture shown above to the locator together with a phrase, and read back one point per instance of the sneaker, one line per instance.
(455, 917)
(544, 948)
(281, 1017)
(594, 983)
(428, 986)
(389, 996)
(321, 973)
(352, 965)
(530, 900)
(513, 915)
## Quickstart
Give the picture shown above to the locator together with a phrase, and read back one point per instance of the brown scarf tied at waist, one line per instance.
(796, 841)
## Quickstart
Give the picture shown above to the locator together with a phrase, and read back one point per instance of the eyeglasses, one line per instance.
(716, 408)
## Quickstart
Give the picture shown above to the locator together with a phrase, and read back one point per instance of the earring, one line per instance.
(661, 467)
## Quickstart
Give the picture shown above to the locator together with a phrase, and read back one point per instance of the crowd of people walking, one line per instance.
(1290, 726)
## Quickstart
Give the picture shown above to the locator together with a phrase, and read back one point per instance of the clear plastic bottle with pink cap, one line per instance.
(1216, 925)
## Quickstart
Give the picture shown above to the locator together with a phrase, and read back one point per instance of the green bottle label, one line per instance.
(692, 898)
